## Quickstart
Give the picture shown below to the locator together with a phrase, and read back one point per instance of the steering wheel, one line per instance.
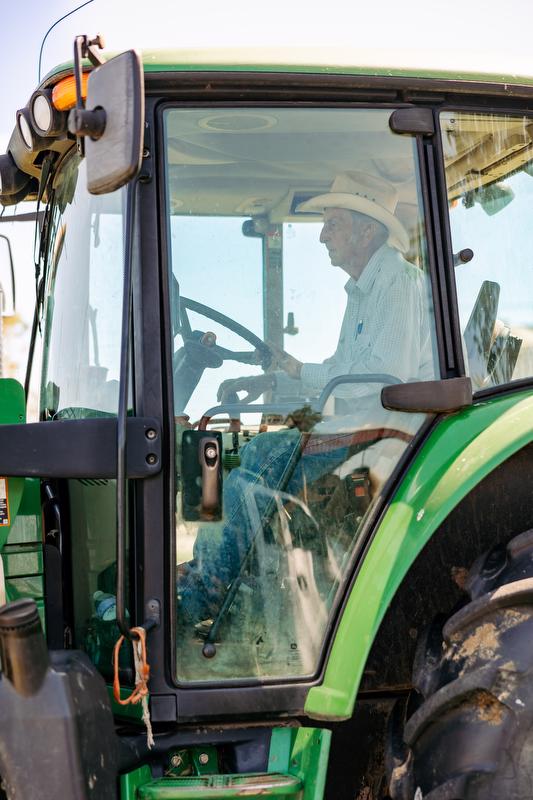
(263, 355)
(200, 350)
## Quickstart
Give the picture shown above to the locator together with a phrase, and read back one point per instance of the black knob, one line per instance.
(22, 646)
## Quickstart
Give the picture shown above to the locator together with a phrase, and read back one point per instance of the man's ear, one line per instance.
(379, 234)
(368, 231)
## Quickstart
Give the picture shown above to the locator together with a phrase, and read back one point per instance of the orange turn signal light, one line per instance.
(64, 92)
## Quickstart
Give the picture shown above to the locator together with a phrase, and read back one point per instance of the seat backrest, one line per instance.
(479, 331)
(502, 357)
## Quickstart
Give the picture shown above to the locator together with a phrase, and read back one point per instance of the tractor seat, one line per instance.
(491, 349)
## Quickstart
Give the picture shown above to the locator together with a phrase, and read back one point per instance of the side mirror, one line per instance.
(112, 122)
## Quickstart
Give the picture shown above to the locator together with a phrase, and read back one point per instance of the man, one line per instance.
(385, 330)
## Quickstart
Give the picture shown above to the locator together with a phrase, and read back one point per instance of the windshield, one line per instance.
(299, 288)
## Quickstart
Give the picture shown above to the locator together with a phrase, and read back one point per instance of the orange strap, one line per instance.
(141, 687)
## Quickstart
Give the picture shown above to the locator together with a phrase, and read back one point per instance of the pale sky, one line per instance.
(478, 34)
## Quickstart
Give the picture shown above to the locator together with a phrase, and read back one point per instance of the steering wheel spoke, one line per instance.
(261, 355)
(243, 356)
(200, 350)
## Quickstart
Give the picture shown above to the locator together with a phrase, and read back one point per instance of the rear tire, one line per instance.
(472, 736)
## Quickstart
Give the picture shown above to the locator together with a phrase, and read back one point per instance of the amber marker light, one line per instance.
(64, 92)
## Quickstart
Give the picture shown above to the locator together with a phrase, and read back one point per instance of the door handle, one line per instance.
(209, 458)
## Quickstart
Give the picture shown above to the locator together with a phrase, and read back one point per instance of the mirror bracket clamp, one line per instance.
(82, 122)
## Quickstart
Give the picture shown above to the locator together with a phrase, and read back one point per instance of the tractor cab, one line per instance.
(261, 293)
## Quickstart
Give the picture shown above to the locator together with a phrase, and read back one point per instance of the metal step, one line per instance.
(229, 787)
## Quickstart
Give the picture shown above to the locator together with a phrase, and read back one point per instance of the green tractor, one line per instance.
(266, 523)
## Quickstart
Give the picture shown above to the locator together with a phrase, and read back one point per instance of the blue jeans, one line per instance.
(274, 468)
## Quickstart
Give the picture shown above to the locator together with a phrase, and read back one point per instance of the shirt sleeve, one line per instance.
(312, 380)
(315, 376)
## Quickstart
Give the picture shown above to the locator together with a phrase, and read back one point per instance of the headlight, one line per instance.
(24, 127)
(46, 120)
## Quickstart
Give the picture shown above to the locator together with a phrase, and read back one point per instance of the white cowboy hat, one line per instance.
(368, 194)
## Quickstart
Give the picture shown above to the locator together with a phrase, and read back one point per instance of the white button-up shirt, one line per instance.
(385, 329)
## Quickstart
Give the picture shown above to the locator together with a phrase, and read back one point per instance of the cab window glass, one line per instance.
(489, 169)
(215, 245)
(82, 346)
(299, 287)
(83, 311)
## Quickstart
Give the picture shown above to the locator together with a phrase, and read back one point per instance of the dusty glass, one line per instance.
(84, 298)
(84, 269)
(306, 445)
(489, 169)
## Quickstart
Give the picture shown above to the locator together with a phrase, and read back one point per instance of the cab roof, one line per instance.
(465, 65)
(412, 76)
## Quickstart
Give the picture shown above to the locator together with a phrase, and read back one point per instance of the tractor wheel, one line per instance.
(471, 736)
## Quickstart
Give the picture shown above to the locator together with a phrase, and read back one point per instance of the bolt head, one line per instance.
(176, 761)
(209, 650)
(203, 758)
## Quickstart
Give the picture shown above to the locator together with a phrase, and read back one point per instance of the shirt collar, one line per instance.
(368, 277)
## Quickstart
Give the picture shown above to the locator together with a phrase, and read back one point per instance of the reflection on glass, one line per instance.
(299, 288)
(488, 173)
(83, 311)
(82, 334)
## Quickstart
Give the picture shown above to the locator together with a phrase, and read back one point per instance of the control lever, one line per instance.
(234, 422)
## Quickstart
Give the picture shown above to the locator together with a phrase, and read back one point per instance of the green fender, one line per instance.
(12, 411)
(458, 454)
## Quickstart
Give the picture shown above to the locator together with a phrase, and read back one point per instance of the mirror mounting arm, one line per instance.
(83, 48)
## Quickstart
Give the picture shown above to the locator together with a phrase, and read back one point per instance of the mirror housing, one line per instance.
(429, 397)
(112, 123)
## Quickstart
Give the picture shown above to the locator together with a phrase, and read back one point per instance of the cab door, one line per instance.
(280, 349)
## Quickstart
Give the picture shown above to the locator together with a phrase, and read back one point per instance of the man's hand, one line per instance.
(284, 361)
(254, 385)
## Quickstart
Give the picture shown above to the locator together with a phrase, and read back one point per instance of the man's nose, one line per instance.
(323, 234)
